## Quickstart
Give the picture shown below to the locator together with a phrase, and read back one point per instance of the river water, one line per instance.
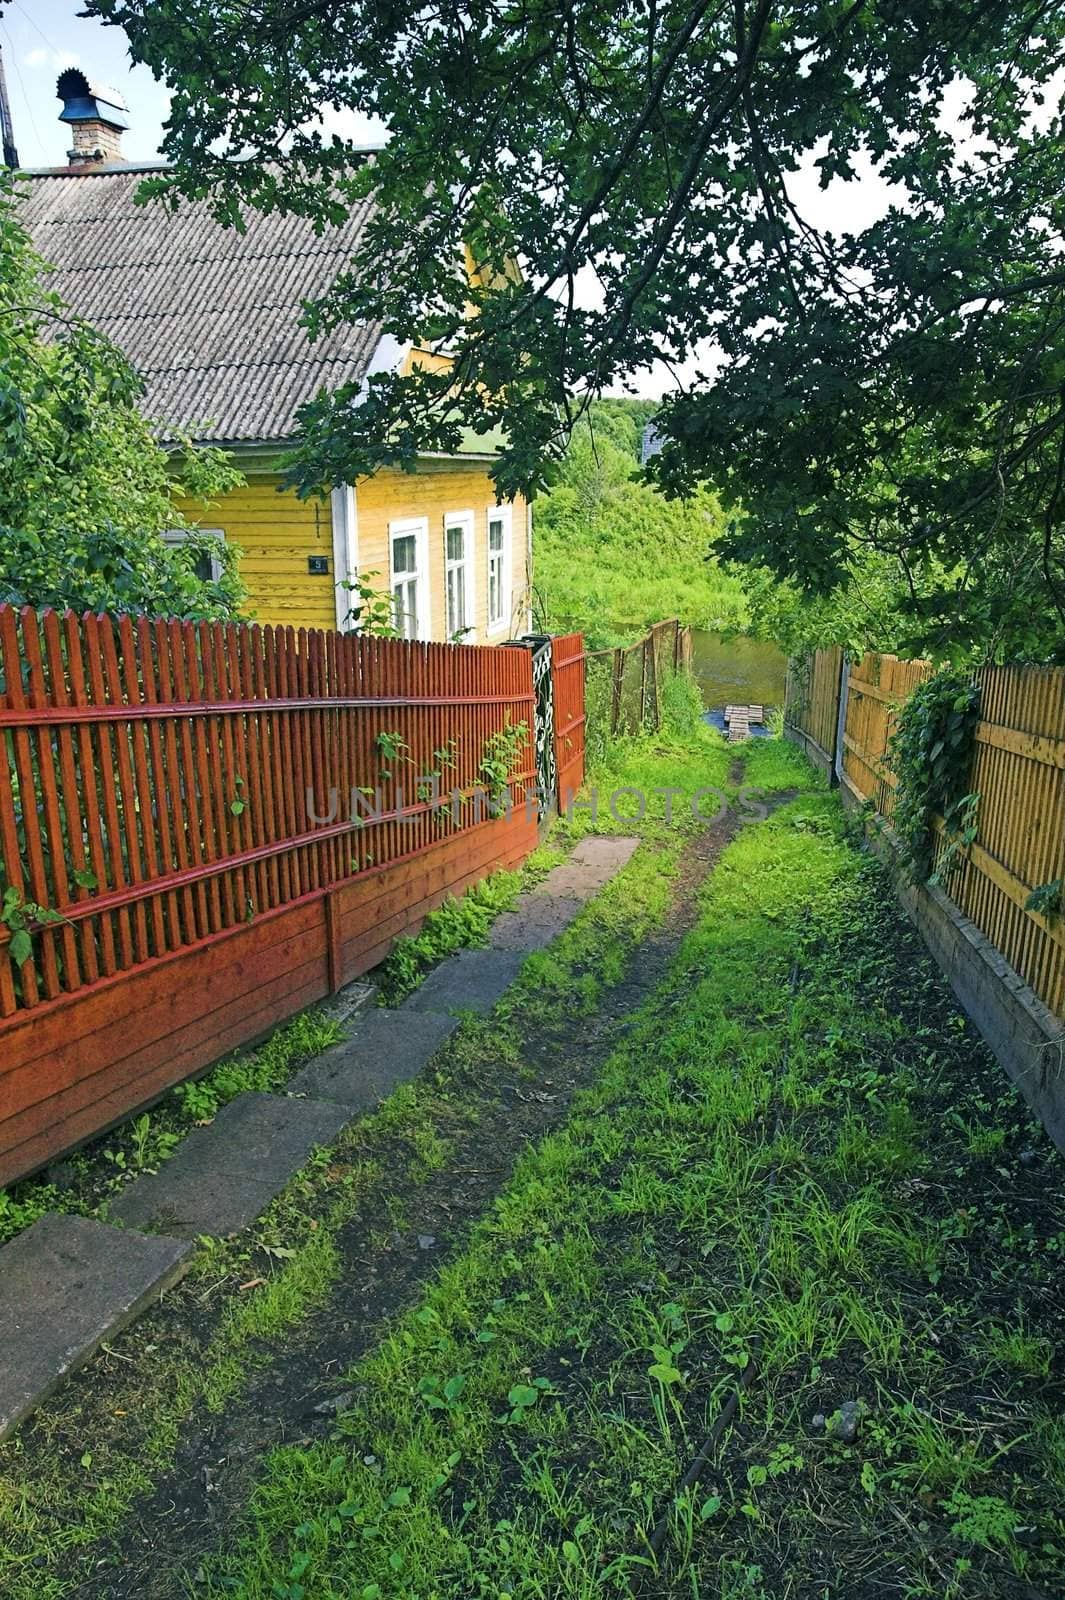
(737, 671)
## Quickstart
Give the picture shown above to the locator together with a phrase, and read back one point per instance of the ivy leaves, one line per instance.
(931, 753)
(19, 916)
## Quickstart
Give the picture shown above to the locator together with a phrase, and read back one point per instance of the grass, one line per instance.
(652, 784)
(457, 924)
(521, 1431)
(71, 1475)
(92, 1177)
(775, 766)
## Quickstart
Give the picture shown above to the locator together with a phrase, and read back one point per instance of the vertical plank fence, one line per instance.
(876, 686)
(567, 665)
(205, 827)
(1019, 774)
(624, 684)
(811, 701)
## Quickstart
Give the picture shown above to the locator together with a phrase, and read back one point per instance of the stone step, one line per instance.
(66, 1285)
(223, 1176)
(589, 868)
(534, 922)
(470, 980)
(388, 1048)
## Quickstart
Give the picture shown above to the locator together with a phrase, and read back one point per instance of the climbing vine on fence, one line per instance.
(1047, 899)
(931, 753)
(499, 759)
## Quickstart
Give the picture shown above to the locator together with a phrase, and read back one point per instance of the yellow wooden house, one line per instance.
(212, 319)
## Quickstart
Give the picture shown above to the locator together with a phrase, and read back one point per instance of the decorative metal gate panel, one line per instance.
(539, 646)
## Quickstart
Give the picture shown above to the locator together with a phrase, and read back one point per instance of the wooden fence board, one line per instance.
(636, 673)
(811, 698)
(567, 660)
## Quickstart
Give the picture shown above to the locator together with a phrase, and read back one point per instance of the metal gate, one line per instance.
(539, 646)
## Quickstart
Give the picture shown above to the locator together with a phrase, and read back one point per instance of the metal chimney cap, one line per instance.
(89, 102)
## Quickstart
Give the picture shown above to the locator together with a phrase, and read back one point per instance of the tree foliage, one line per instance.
(898, 390)
(85, 491)
(612, 555)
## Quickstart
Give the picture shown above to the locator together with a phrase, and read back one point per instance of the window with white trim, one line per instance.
(458, 571)
(207, 567)
(499, 538)
(410, 577)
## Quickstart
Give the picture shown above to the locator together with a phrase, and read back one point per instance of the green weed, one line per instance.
(455, 925)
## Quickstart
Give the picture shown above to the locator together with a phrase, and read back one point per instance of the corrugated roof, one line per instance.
(210, 317)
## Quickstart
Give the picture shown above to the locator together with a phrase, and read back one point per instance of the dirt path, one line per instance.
(294, 1397)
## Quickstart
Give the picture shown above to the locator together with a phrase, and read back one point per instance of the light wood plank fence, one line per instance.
(1018, 772)
(812, 698)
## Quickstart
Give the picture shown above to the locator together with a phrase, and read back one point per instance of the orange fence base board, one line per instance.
(76, 1066)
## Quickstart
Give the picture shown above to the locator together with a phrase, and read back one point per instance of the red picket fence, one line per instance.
(567, 668)
(176, 877)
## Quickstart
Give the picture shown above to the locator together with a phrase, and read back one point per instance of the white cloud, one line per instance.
(54, 59)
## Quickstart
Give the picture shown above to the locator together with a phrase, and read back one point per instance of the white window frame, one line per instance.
(345, 517)
(468, 523)
(402, 528)
(176, 537)
(504, 514)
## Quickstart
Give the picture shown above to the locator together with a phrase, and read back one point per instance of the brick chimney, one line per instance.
(97, 117)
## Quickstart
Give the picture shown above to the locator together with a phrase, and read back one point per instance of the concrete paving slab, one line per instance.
(389, 1048)
(222, 1177)
(470, 980)
(66, 1285)
(346, 1005)
(608, 851)
(590, 868)
(534, 922)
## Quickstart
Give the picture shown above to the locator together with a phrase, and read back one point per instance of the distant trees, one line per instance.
(85, 491)
(612, 555)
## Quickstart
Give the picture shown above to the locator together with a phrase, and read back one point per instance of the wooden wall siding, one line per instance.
(811, 697)
(434, 491)
(567, 666)
(153, 781)
(277, 532)
(1019, 774)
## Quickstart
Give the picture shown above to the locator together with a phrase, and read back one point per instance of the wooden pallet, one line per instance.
(738, 721)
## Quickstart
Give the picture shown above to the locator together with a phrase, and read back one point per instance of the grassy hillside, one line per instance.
(612, 556)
